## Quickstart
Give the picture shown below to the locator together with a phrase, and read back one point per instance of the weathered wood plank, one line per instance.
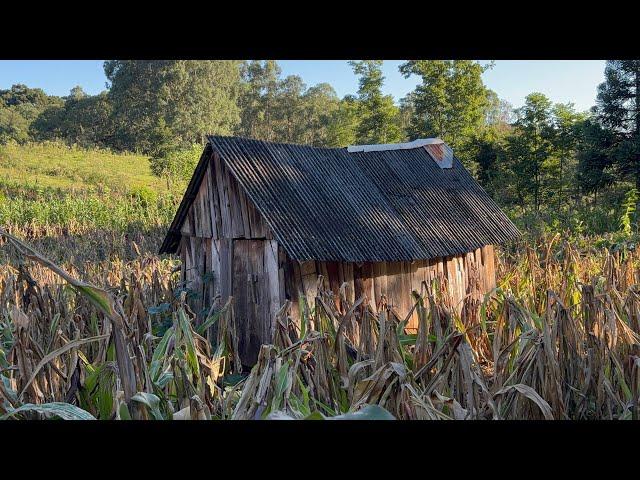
(297, 286)
(309, 278)
(282, 259)
(205, 215)
(367, 284)
(348, 278)
(258, 321)
(452, 273)
(422, 275)
(223, 197)
(441, 269)
(383, 281)
(272, 284)
(207, 277)
(186, 230)
(226, 268)
(257, 225)
(417, 270)
(333, 281)
(490, 267)
(243, 202)
(237, 224)
(376, 274)
(358, 285)
(195, 272)
(241, 283)
(394, 285)
(322, 270)
(214, 208)
(405, 288)
(216, 289)
(183, 257)
(291, 288)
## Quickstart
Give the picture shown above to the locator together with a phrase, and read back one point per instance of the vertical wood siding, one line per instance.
(472, 273)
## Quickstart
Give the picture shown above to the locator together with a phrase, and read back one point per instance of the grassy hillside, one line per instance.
(54, 165)
(51, 186)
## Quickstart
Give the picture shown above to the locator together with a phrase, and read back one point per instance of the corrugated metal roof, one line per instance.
(331, 205)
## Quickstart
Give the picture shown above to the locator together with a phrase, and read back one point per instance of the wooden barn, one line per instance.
(262, 221)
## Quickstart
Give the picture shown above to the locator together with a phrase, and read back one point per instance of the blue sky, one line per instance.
(561, 80)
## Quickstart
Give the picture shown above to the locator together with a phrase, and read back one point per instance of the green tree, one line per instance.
(379, 117)
(20, 106)
(566, 123)
(82, 119)
(191, 97)
(449, 103)
(407, 111)
(319, 103)
(486, 148)
(595, 166)
(288, 113)
(13, 126)
(284, 109)
(77, 93)
(618, 110)
(258, 99)
(530, 149)
(20, 94)
(498, 112)
(175, 163)
(341, 130)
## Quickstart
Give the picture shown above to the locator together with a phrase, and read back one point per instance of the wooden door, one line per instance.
(255, 291)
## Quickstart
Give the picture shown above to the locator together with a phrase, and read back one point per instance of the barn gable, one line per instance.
(221, 209)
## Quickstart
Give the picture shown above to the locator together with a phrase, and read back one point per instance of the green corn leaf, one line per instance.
(369, 412)
(151, 401)
(187, 337)
(281, 385)
(159, 355)
(124, 411)
(64, 411)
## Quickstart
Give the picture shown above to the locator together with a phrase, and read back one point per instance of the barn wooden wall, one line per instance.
(228, 249)
(394, 280)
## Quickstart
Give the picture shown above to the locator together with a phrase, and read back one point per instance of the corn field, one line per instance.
(113, 337)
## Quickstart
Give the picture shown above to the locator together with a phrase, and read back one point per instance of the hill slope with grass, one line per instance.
(50, 185)
(56, 166)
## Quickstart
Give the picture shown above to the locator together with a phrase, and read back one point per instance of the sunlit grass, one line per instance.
(52, 185)
(55, 165)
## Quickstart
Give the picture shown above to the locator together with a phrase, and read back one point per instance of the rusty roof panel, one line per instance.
(441, 154)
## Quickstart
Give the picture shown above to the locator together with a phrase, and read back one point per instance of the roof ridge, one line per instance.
(381, 147)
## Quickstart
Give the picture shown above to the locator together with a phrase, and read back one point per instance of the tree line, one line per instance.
(548, 164)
